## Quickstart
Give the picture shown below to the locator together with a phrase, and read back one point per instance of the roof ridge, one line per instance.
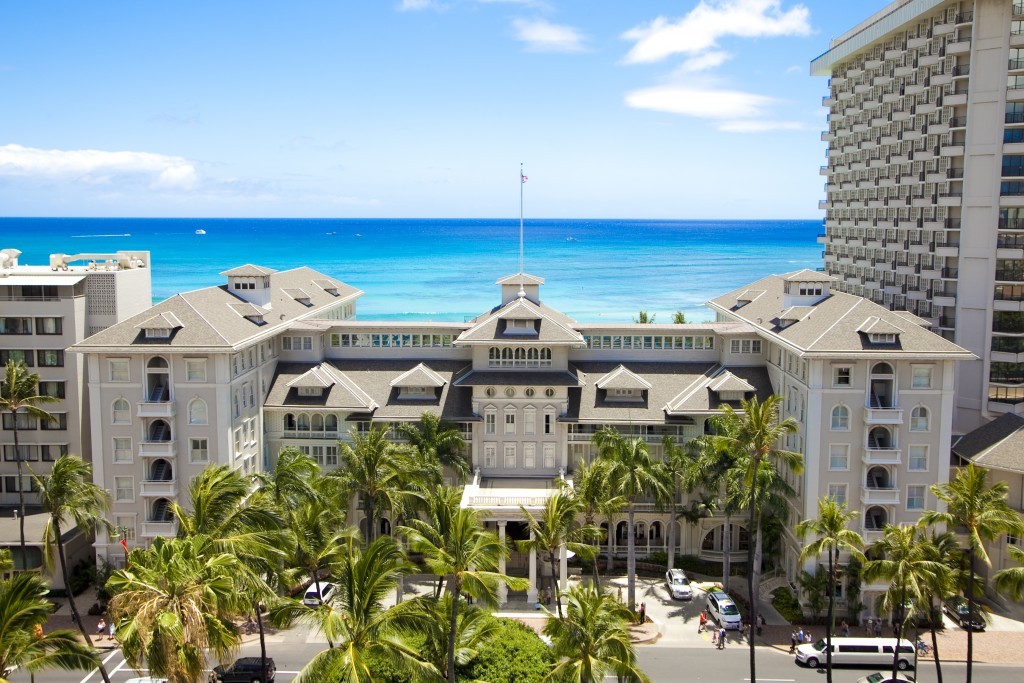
(203, 317)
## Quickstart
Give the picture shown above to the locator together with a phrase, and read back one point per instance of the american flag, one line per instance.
(523, 177)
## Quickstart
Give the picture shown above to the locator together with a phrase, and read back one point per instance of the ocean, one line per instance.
(445, 270)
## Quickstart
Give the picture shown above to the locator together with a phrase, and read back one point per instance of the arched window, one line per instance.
(331, 423)
(289, 422)
(157, 362)
(880, 438)
(532, 354)
(122, 412)
(919, 419)
(197, 412)
(161, 511)
(318, 423)
(494, 357)
(840, 418)
(520, 357)
(159, 431)
(881, 369)
(303, 422)
(545, 357)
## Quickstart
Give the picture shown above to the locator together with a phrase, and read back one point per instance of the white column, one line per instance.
(502, 588)
(563, 569)
(531, 592)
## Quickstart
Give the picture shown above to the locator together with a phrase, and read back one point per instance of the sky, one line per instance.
(415, 108)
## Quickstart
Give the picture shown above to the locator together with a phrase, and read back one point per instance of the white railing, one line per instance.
(159, 488)
(154, 409)
(883, 416)
(165, 529)
(508, 501)
(878, 495)
(882, 456)
(165, 449)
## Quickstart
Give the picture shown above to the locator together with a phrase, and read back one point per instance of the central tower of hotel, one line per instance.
(925, 180)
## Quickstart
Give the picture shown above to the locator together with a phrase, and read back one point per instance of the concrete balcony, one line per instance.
(939, 300)
(954, 99)
(952, 151)
(882, 456)
(165, 529)
(154, 409)
(158, 449)
(890, 496)
(883, 416)
(870, 536)
(159, 488)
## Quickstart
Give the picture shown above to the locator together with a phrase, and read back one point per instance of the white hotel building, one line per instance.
(232, 374)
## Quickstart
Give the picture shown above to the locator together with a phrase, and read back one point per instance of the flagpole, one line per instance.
(522, 181)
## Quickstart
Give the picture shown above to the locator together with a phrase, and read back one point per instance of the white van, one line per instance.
(874, 652)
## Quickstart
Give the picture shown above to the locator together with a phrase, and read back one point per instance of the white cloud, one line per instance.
(760, 126)
(97, 166)
(708, 60)
(701, 28)
(700, 102)
(794, 69)
(414, 5)
(543, 36)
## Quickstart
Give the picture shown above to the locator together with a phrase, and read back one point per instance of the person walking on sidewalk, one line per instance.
(792, 642)
(721, 638)
(101, 629)
(702, 622)
(760, 625)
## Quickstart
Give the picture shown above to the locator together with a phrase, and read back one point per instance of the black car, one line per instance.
(246, 670)
(956, 607)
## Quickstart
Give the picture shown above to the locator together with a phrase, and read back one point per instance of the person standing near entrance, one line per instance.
(721, 638)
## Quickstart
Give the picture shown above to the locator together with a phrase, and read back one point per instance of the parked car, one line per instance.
(245, 670)
(722, 609)
(312, 598)
(957, 608)
(885, 677)
(855, 651)
(678, 585)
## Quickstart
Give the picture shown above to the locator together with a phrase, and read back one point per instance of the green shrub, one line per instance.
(515, 655)
(786, 604)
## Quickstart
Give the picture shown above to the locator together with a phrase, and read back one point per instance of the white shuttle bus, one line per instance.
(874, 652)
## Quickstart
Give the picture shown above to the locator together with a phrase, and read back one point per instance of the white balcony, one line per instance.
(154, 409)
(158, 449)
(871, 535)
(165, 529)
(882, 456)
(883, 416)
(880, 496)
(159, 488)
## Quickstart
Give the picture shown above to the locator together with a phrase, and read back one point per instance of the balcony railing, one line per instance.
(892, 415)
(167, 487)
(884, 496)
(882, 456)
(1010, 275)
(167, 529)
(164, 449)
(947, 321)
(154, 409)
(1010, 241)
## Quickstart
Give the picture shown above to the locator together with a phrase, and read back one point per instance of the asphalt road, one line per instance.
(663, 663)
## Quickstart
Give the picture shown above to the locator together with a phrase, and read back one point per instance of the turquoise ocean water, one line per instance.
(440, 269)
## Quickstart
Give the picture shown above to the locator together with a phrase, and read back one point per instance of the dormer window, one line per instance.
(328, 286)
(520, 326)
(157, 332)
(160, 326)
(415, 393)
(240, 284)
(811, 289)
(882, 338)
(625, 394)
(310, 391)
(299, 295)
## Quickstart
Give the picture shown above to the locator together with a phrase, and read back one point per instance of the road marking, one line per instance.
(96, 671)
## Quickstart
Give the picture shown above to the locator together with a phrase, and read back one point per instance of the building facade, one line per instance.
(925, 180)
(528, 387)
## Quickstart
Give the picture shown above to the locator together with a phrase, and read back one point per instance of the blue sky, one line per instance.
(415, 108)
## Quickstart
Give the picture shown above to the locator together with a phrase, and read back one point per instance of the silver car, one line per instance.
(678, 584)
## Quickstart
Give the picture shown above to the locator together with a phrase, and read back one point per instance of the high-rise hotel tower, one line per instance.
(925, 180)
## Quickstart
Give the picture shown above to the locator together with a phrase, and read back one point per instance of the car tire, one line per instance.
(902, 665)
(812, 662)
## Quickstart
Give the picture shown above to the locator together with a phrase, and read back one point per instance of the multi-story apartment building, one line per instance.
(45, 309)
(528, 386)
(925, 188)
(925, 180)
(181, 386)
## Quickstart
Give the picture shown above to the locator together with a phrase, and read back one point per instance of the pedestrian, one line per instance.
(714, 636)
(111, 627)
(101, 628)
(643, 612)
(807, 637)
(721, 638)
(760, 624)
(800, 635)
(845, 629)
(878, 628)
(871, 626)
(792, 642)
(702, 623)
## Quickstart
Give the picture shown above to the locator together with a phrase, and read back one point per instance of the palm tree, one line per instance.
(1011, 579)
(372, 467)
(426, 618)
(644, 318)
(985, 514)
(831, 537)
(19, 393)
(592, 641)
(438, 440)
(355, 618)
(632, 474)
(908, 568)
(590, 487)
(24, 609)
(676, 463)
(944, 549)
(292, 481)
(68, 494)
(468, 556)
(175, 600)
(555, 529)
(711, 463)
(679, 318)
(756, 430)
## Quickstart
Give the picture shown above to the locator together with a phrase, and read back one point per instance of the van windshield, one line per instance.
(820, 645)
(730, 610)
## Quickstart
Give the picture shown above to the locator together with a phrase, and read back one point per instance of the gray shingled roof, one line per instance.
(518, 378)
(525, 278)
(553, 327)
(419, 376)
(622, 378)
(834, 324)
(998, 444)
(248, 270)
(702, 396)
(374, 379)
(208, 317)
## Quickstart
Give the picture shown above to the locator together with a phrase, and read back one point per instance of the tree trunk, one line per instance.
(554, 582)
(726, 551)
(970, 615)
(935, 644)
(316, 582)
(71, 596)
(750, 569)
(830, 622)
(263, 642)
(453, 623)
(898, 628)
(631, 561)
(21, 493)
(612, 535)
(370, 526)
(597, 577)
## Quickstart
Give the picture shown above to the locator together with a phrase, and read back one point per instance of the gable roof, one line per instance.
(727, 381)
(248, 270)
(807, 275)
(553, 328)
(834, 324)
(344, 393)
(160, 321)
(524, 278)
(622, 378)
(998, 444)
(419, 376)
